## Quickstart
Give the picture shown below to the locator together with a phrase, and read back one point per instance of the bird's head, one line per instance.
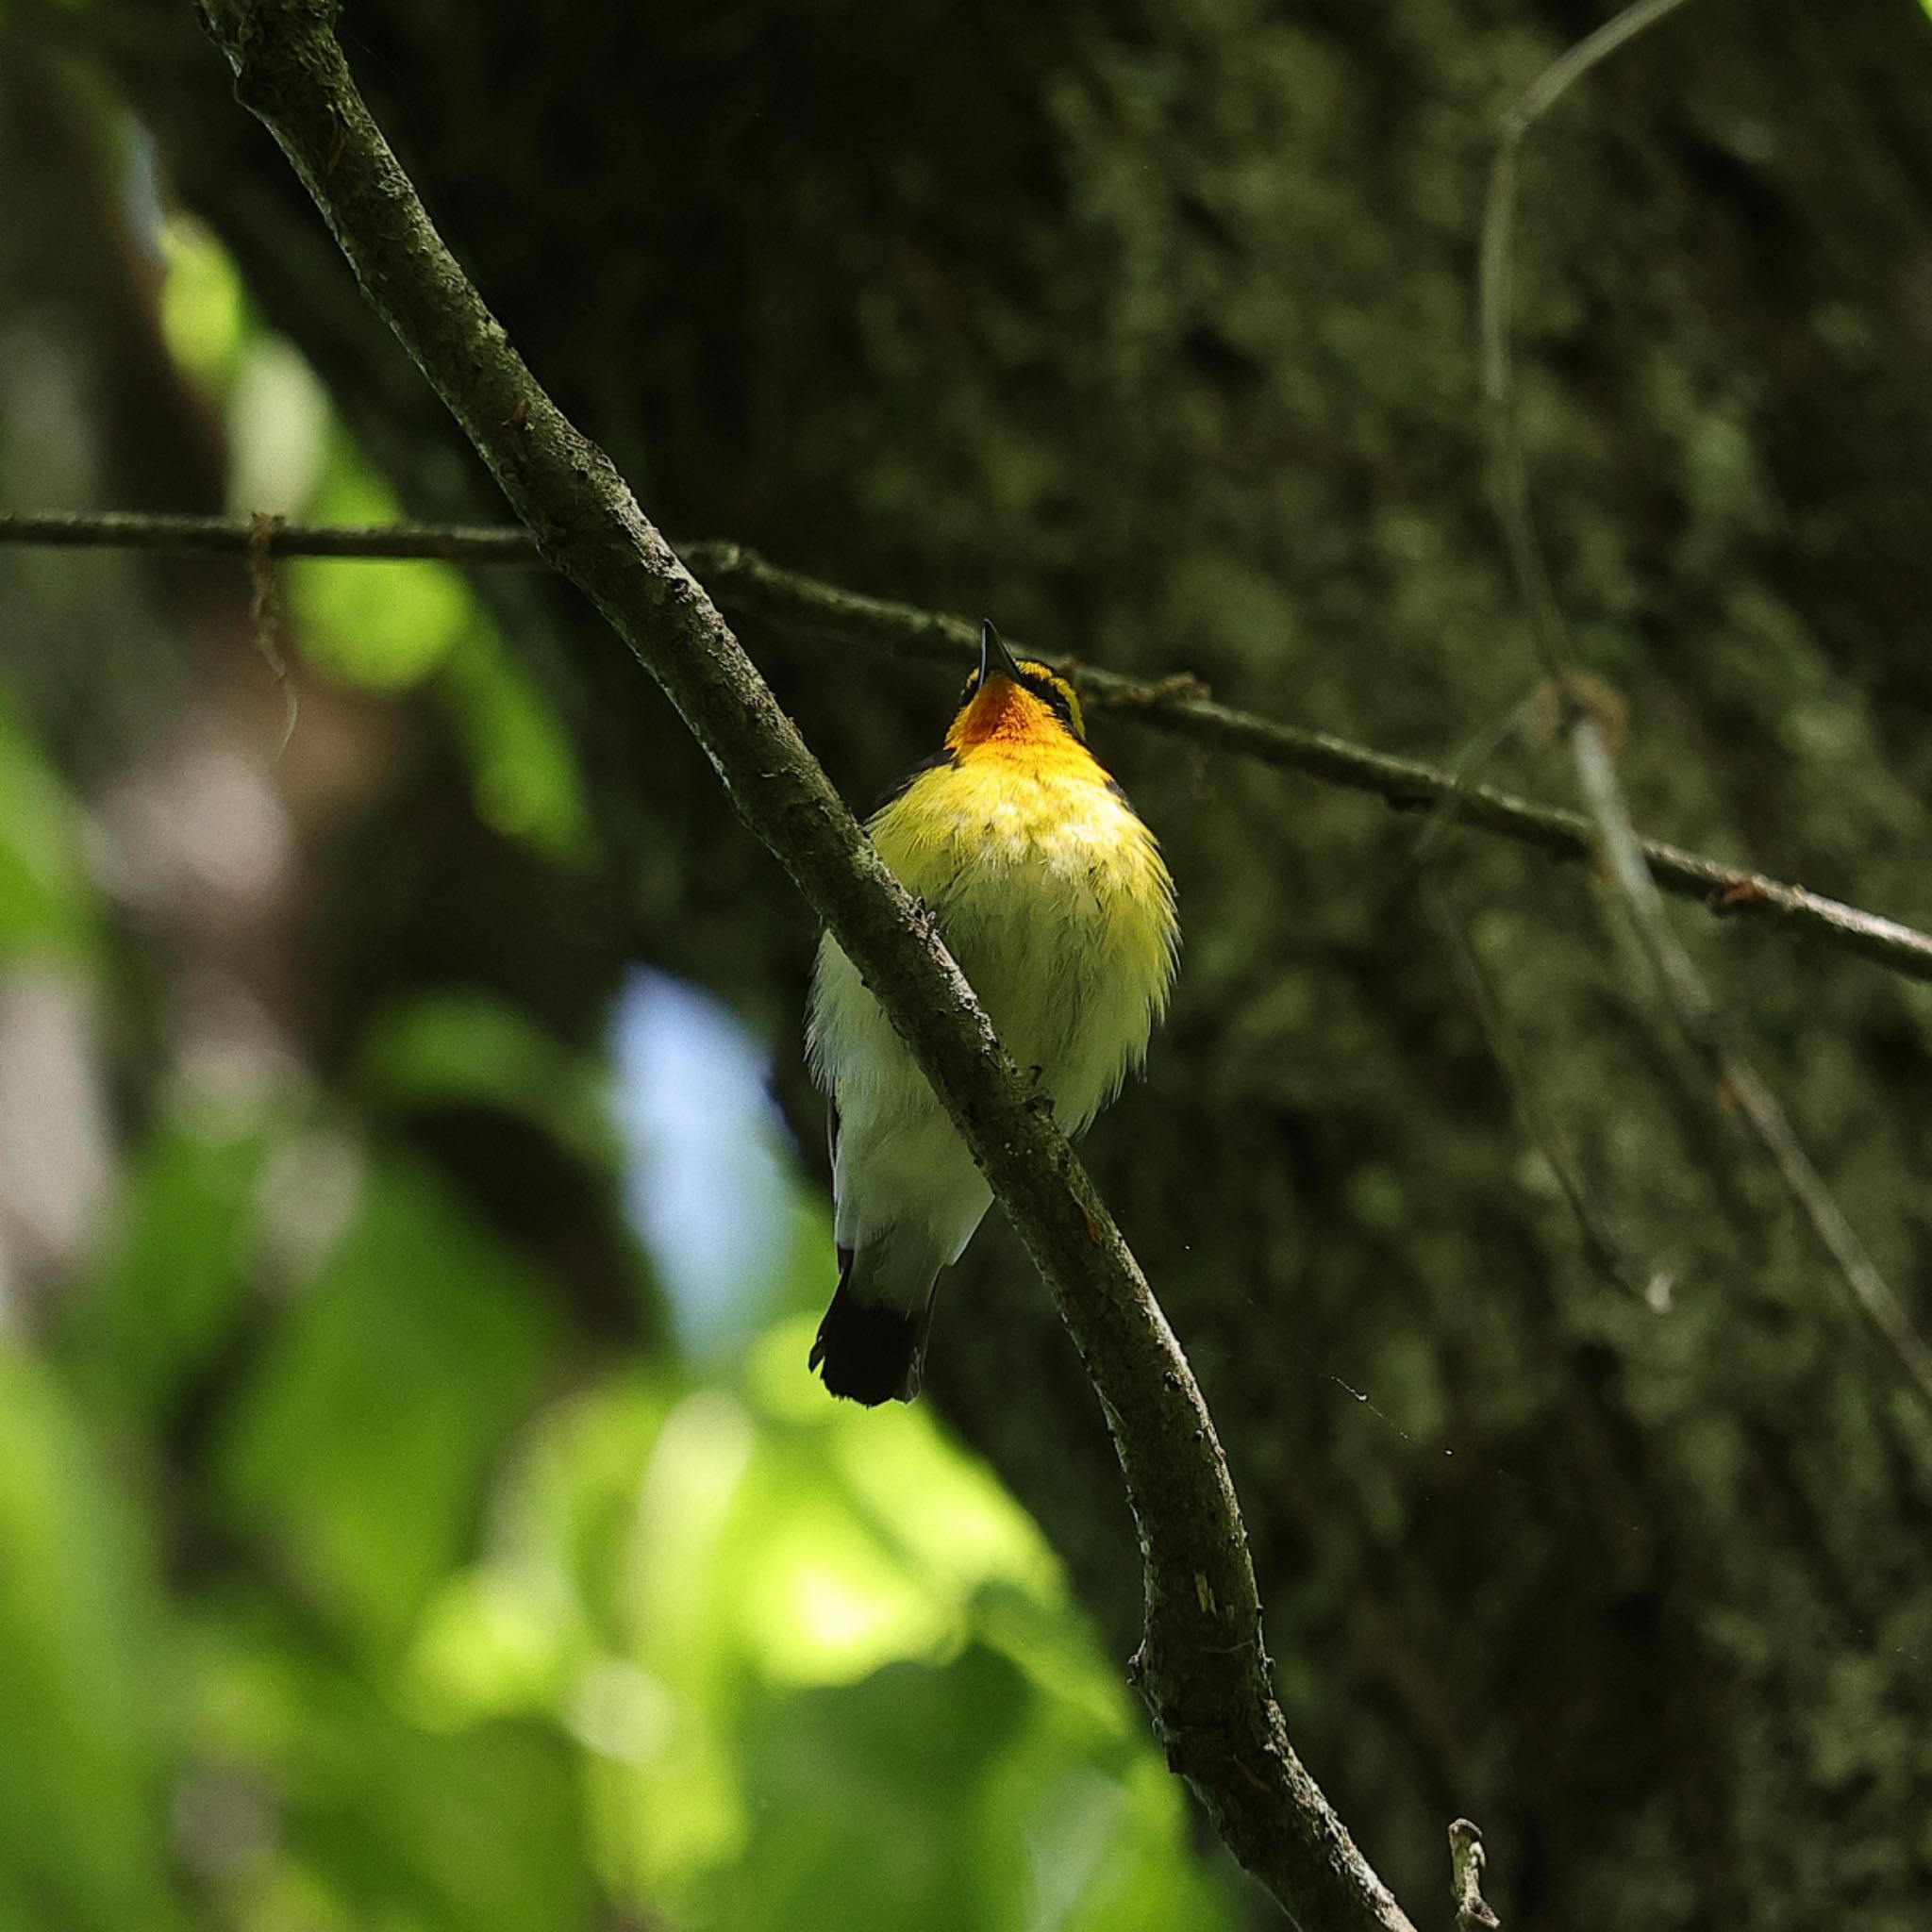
(1013, 701)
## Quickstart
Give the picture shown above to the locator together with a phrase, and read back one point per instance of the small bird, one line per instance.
(1054, 900)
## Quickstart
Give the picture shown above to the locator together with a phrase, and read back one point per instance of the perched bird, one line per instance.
(1052, 897)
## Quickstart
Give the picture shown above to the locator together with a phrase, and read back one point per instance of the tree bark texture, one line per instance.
(1148, 333)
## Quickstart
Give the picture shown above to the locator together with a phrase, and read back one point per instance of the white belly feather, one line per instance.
(1059, 913)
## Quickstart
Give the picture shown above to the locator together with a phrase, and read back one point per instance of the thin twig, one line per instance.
(1602, 1247)
(1201, 1666)
(179, 536)
(1683, 990)
(1736, 1081)
(265, 619)
(746, 585)
(1508, 469)
(1467, 1858)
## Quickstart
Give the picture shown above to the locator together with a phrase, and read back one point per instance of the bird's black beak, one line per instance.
(993, 656)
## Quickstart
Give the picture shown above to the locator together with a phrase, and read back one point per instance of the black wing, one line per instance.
(940, 758)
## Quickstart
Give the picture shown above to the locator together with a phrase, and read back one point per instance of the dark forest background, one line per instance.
(377, 1546)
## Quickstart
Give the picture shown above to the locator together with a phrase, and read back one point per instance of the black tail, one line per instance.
(867, 1352)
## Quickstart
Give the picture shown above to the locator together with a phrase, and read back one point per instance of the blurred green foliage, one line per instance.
(45, 907)
(371, 627)
(343, 1584)
(432, 1627)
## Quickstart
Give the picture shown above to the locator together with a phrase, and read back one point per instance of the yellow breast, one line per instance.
(1053, 896)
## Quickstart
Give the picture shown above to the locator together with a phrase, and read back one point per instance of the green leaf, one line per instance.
(81, 1787)
(464, 1046)
(529, 784)
(378, 1821)
(517, 1631)
(46, 899)
(379, 625)
(360, 1452)
(174, 1273)
(1082, 1831)
(204, 308)
(389, 625)
(856, 1794)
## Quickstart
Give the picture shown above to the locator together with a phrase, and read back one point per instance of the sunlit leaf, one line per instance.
(569, 1504)
(528, 786)
(380, 626)
(204, 311)
(681, 1808)
(495, 1641)
(818, 1596)
(944, 1508)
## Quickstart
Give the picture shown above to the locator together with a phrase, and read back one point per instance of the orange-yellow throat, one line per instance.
(1053, 896)
(1012, 719)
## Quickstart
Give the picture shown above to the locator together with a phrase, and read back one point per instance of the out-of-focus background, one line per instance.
(414, 1510)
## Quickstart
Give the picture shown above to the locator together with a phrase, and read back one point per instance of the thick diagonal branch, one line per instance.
(1203, 1668)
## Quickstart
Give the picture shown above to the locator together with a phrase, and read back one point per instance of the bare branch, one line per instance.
(745, 583)
(1737, 1082)
(1467, 1858)
(1651, 1286)
(179, 536)
(1202, 1666)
